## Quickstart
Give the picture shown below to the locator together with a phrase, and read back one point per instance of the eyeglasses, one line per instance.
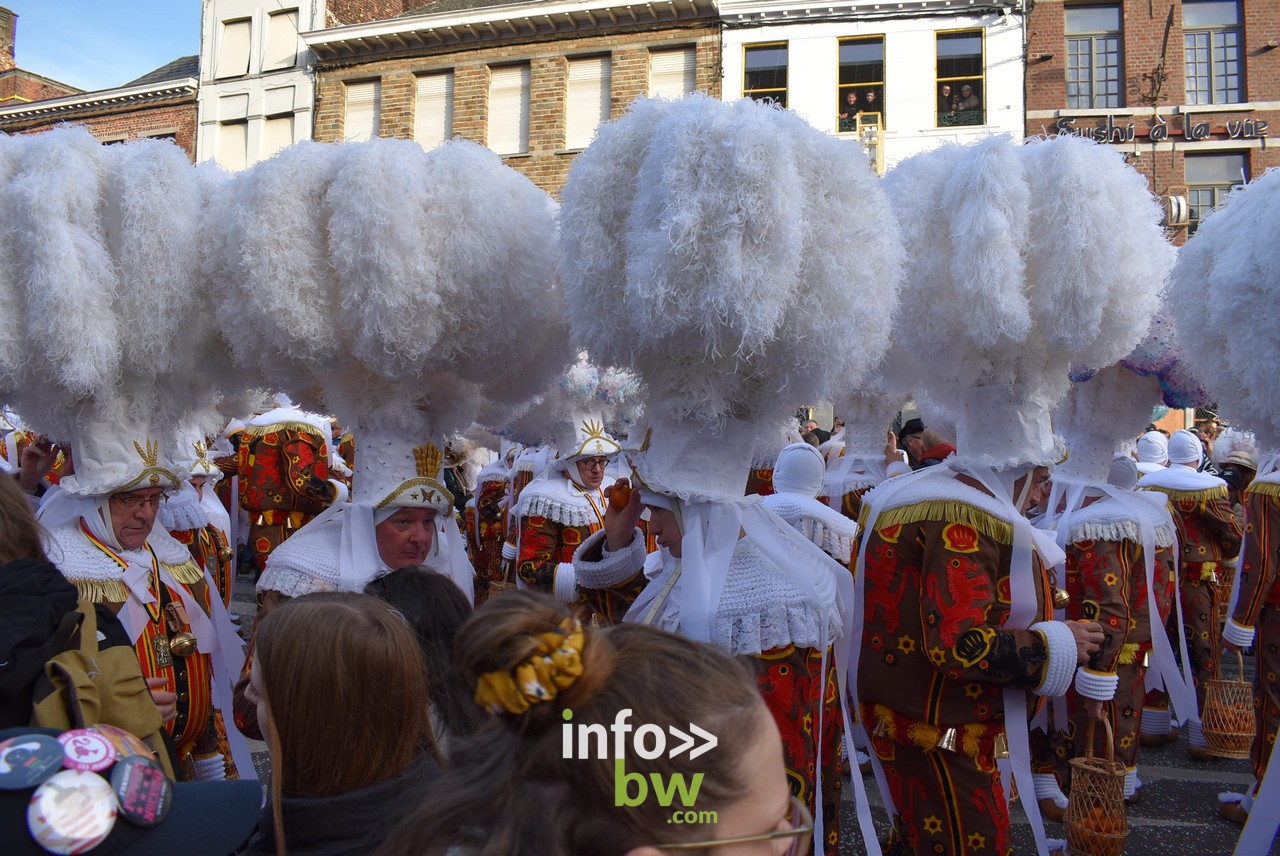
(595, 463)
(133, 501)
(800, 834)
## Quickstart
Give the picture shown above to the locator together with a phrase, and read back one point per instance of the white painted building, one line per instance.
(256, 85)
(902, 66)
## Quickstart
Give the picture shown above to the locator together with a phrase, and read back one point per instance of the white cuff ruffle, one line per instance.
(342, 491)
(1060, 668)
(613, 569)
(1237, 634)
(508, 551)
(1099, 686)
(565, 583)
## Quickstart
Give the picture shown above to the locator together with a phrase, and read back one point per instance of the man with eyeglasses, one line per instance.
(557, 513)
(102, 526)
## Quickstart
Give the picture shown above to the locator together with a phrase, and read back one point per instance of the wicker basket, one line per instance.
(1095, 817)
(497, 587)
(1227, 719)
(1226, 579)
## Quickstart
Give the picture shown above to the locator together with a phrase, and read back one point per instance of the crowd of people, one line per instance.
(591, 588)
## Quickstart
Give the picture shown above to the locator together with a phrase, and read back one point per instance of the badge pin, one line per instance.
(72, 812)
(27, 760)
(85, 749)
(142, 791)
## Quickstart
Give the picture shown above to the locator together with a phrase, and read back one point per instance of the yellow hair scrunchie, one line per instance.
(555, 665)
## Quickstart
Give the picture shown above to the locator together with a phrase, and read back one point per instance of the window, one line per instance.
(282, 40)
(433, 110)
(233, 144)
(509, 110)
(363, 108)
(960, 79)
(1209, 180)
(861, 82)
(233, 51)
(672, 74)
(277, 133)
(1211, 40)
(586, 100)
(765, 75)
(1093, 56)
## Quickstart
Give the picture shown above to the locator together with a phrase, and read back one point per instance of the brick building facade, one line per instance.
(19, 85)
(1189, 91)
(475, 70)
(161, 104)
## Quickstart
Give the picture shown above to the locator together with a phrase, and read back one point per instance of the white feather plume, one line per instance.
(1223, 295)
(1031, 257)
(715, 247)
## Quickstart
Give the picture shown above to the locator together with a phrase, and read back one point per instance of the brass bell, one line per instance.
(225, 554)
(948, 740)
(1000, 749)
(1146, 659)
(1060, 598)
(182, 644)
(881, 729)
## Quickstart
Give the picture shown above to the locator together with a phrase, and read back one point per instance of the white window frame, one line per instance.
(508, 125)
(673, 72)
(235, 43)
(433, 109)
(233, 144)
(362, 110)
(281, 47)
(586, 99)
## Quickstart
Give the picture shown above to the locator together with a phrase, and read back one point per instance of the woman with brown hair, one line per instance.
(341, 695)
(584, 757)
(34, 598)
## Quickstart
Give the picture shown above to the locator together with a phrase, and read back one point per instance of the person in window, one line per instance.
(871, 103)
(849, 111)
(946, 101)
(969, 100)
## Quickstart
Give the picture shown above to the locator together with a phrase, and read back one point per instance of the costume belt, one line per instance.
(280, 517)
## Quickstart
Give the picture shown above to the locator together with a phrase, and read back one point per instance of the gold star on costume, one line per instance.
(973, 690)
(977, 841)
(906, 644)
(932, 825)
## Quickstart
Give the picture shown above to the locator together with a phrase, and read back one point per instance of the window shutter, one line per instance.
(672, 74)
(362, 110)
(233, 56)
(509, 110)
(586, 100)
(282, 40)
(233, 145)
(433, 110)
(277, 133)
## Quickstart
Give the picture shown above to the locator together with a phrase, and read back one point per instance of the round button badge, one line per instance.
(126, 744)
(72, 812)
(142, 791)
(86, 749)
(28, 760)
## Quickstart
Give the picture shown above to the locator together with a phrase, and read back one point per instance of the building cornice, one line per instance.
(131, 96)
(498, 23)
(752, 13)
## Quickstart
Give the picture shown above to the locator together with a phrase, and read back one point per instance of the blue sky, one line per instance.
(101, 44)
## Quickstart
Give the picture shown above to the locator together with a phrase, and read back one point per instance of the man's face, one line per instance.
(665, 531)
(591, 471)
(851, 98)
(405, 538)
(1039, 492)
(946, 90)
(914, 444)
(871, 97)
(811, 425)
(133, 513)
(966, 91)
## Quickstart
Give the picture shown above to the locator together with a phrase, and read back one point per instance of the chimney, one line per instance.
(8, 29)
